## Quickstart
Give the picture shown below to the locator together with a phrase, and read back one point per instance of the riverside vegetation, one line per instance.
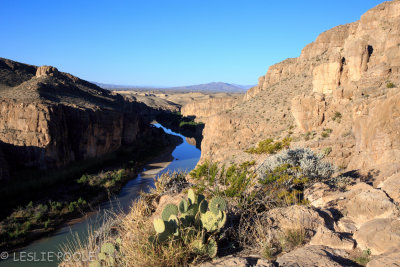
(79, 195)
(225, 212)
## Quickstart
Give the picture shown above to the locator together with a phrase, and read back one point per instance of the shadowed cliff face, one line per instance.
(49, 118)
(341, 83)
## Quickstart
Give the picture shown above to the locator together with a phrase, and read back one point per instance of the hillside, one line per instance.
(351, 72)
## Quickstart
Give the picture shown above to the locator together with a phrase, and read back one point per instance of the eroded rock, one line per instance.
(379, 235)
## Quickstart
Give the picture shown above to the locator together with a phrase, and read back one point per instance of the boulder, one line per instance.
(379, 235)
(363, 203)
(332, 239)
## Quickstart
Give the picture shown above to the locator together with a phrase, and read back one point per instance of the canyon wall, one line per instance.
(49, 119)
(340, 94)
(209, 107)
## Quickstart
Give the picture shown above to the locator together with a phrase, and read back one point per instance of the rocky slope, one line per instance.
(49, 118)
(344, 82)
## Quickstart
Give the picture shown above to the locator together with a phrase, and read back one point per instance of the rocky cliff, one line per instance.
(340, 94)
(203, 109)
(49, 118)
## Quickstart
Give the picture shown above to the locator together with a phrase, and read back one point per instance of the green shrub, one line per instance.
(390, 85)
(232, 181)
(326, 132)
(268, 146)
(337, 116)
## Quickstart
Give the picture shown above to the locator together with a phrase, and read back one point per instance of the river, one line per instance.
(43, 252)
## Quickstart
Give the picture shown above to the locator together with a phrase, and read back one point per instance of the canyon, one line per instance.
(340, 98)
(49, 119)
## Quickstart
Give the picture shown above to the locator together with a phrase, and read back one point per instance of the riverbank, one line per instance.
(72, 199)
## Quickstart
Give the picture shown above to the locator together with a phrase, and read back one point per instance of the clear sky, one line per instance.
(167, 42)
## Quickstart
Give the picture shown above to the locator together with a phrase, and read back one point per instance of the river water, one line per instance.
(43, 252)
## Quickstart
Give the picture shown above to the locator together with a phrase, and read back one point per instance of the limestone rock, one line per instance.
(379, 235)
(391, 186)
(281, 220)
(363, 203)
(308, 111)
(314, 256)
(390, 259)
(331, 239)
(209, 107)
(46, 70)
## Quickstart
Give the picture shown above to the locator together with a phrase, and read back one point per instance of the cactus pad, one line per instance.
(183, 206)
(217, 204)
(222, 219)
(170, 209)
(209, 221)
(203, 206)
(192, 196)
(212, 248)
(159, 225)
(200, 198)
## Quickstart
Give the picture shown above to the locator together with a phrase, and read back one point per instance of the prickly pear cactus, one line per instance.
(189, 217)
(170, 209)
(203, 206)
(217, 204)
(192, 196)
(159, 226)
(183, 206)
(209, 221)
(212, 248)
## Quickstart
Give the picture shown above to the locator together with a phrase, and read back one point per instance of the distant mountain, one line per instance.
(209, 87)
(212, 87)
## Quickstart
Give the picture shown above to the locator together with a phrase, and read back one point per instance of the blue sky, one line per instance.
(167, 42)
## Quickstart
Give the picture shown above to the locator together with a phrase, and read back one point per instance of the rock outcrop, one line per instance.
(202, 109)
(49, 118)
(346, 82)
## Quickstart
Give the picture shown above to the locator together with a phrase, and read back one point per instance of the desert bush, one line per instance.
(268, 146)
(302, 162)
(326, 133)
(337, 116)
(390, 85)
(233, 181)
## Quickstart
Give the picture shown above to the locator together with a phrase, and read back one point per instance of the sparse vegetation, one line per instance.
(232, 181)
(390, 85)
(268, 146)
(364, 258)
(337, 117)
(327, 150)
(309, 135)
(326, 132)
(192, 231)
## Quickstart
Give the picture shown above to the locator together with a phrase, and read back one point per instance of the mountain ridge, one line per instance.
(207, 87)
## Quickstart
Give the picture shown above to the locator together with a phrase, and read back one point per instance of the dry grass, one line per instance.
(135, 249)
